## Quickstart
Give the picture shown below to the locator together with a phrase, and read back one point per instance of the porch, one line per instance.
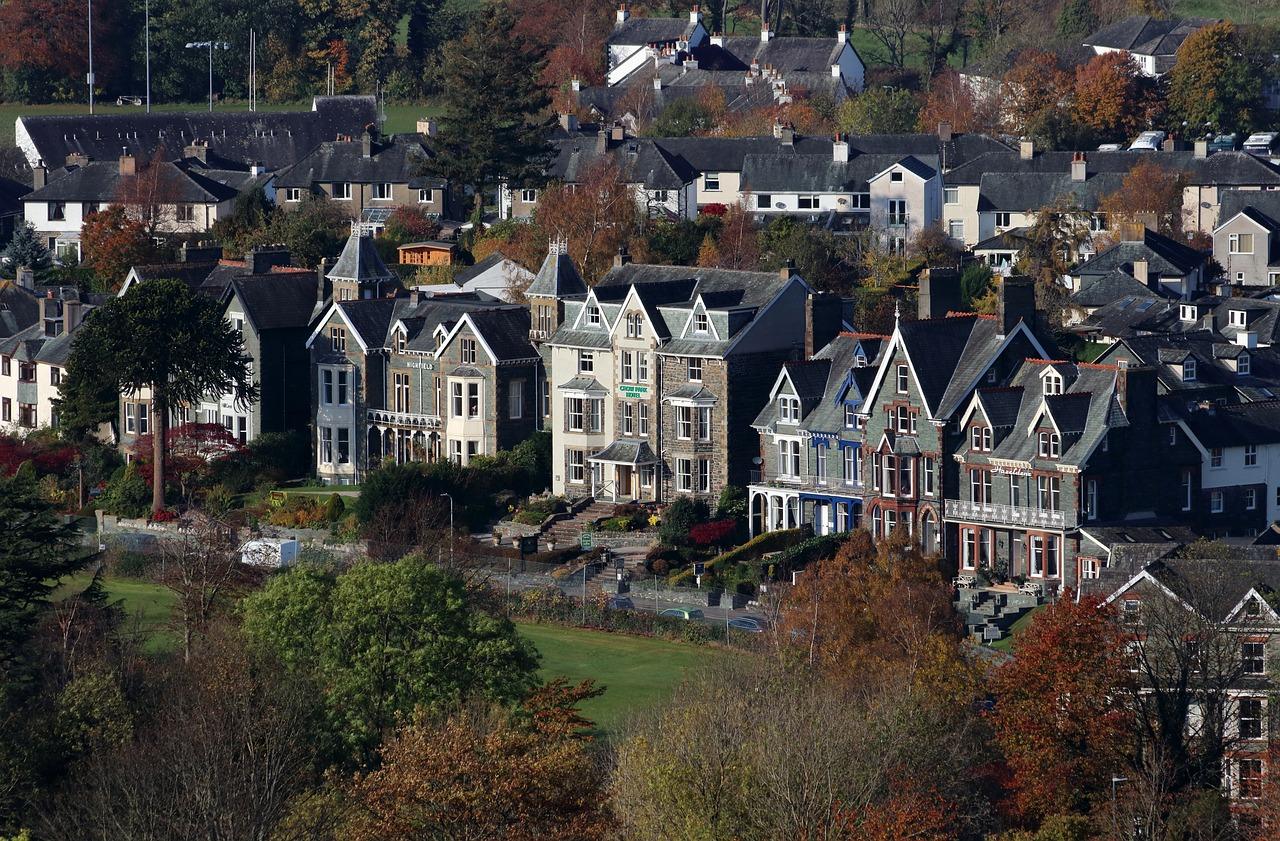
(625, 471)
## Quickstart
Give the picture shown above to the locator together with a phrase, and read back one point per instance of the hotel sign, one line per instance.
(633, 390)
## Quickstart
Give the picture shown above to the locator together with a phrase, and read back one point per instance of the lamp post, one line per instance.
(89, 78)
(210, 46)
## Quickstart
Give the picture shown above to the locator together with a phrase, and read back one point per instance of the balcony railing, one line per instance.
(386, 417)
(1006, 515)
(804, 481)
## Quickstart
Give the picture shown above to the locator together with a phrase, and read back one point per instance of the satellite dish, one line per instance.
(780, 205)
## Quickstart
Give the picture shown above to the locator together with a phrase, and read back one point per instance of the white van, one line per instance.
(1148, 141)
(273, 552)
(1263, 143)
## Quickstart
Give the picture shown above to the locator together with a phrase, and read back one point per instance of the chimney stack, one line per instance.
(426, 127)
(128, 165)
(617, 133)
(657, 83)
(623, 13)
(1079, 167)
(788, 269)
(1202, 149)
(764, 32)
(366, 143)
(1141, 272)
(263, 258)
(198, 149)
(786, 134)
(51, 314)
(695, 14)
(717, 39)
(575, 85)
(72, 314)
(939, 293)
(324, 286)
(26, 278)
(602, 141)
(944, 131)
(75, 159)
(622, 258)
(823, 318)
(842, 34)
(1136, 392)
(840, 150)
(1133, 232)
(1017, 302)
(39, 175)
(1027, 150)
(569, 122)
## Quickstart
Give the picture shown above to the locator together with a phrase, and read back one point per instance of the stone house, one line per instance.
(1239, 447)
(635, 40)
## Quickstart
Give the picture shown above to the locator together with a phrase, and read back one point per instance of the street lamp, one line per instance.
(89, 77)
(210, 46)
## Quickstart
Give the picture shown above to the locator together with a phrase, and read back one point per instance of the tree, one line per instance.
(317, 228)
(409, 224)
(487, 772)
(879, 111)
(26, 249)
(203, 571)
(114, 242)
(1034, 86)
(1061, 718)
(87, 399)
(1076, 20)
(738, 239)
(975, 283)
(890, 23)
(684, 117)
(385, 639)
(1212, 82)
(1049, 250)
(598, 215)
(1110, 96)
(506, 139)
(951, 100)
(163, 337)
(1150, 195)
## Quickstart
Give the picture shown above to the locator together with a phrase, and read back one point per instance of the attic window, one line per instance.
(895, 177)
(1187, 312)
(700, 322)
(1238, 318)
(1052, 384)
(1252, 608)
(402, 341)
(1189, 369)
(1050, 445)
(789, 410)
(593, 315)
(1244, 365)
(633, 325)
(860, 360)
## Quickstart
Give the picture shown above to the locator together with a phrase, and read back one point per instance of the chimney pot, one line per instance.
(842, 34)
(623, 13)
(1027, 150)
(695, 14)
(1079, 167)
(764, 32)
(622, 258)
(128, 165)
(1141, 272)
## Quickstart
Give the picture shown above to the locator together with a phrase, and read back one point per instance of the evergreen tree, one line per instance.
(1212, 82)
(1077, 19)
(491, 129)
(26, 249)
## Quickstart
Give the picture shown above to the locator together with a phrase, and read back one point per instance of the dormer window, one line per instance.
(860, 360)
(1253, 608)
(1189, 369)
(789, 410)
(1244, 365)
(1238, 318)
(593, 315)
(850, 417)
(700, 322)
(1187, 312)
(981, 437)
(1050, 445)
(402, 341)
(1052, 383)
(902, 379)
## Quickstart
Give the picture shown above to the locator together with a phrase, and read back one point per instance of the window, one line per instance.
(57, 211)
(642, 367)
(338, 339)
(1015, 492)
(1250, 455)
(6, 409)
(684, 474)
(1091, 499)
(455, 451)
(851, 463)
(981, 438)
(1189, 369)
(980, 486)
(850, 417)
(1187, 312)
(1089, 568)
(1052, 384)
(1186, 490)
(700, 323)
(1250, 718)
(4, 366)
(401, 385)
(1050, 445)
(902, 379)
(468, 350)
(633, 325)
(1240, 243)
(577, 466)
(425, 196)
(473, 400)
(343, 398)
(1253, 657)
(1250, 778)
(593, 315)
(293, 194)
(515, 400)
(694, 367)
(1044, 556)
(955, 229)
(55, 376)
(586, 362)
(1250, 499)
(185, 213)
(1215, 457)
(136, 418)
(711, 181)
(1215, 502)
(895, 177)
(1173, 436)
(628, 366)
(789, 458)
(684, 423)
(342, 190)
(704, 423)
(927, 468)
(805, 202)
(1049, 493)
(1244, 365)
(897, 211)
(764, 201)
(528, 196)
(643, 418)
(326, 445)
(1002, 220)
(820, 463)
(789, 410)
(402, 341)
(951, 195)
(382, 191)
(627, 411)
(1238, 318)
(704, 475)
(455, 400)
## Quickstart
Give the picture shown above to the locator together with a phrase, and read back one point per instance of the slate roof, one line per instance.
(1145, 35)
(444, 311)
(786, 54)
(1023, 191)
(278, 301)
(371, 318)
(829, 382)
(1013, 239)
(1132, 315)
(1098, 291)
(101, 181)
(1214, 378)
(615, 102)
(360, 261)
(393, 161)
(1236, 425)
(1264, 202)
(1262, 317)
(948, 354)
(642, 161)
(192, 274)
(11, 193)
(1220, 168)
(1214, 586)
(506, 332)
(623, 451)
(275, 139)
(1164, 255)
(557, 278)
(644, 30)
(19, 308)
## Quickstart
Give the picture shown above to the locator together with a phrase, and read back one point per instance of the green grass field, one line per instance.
(148, 606)
(400, 118)
(1018, 627)
(637, 672)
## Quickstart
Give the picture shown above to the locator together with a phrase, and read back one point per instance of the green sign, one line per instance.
(586, 540)
(632, 390)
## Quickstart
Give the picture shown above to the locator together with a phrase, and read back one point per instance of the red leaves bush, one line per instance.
(713, 533)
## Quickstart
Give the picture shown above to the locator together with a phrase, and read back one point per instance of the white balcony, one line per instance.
(1004, 515)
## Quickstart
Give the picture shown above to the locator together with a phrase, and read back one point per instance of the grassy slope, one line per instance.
(635, 671)
(149, 605)
(1018, 627)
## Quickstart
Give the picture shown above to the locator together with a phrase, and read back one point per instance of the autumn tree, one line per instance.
(597, 215)
(1212, 82)
(488, 772)
(573, 33)
(151, 194)
(951, 100)
(1049, 250)
(1034, 86)
(114, 242)
(1149, 194)
(1061, 718)
(1110, 95)
(737, 242)
(879, 111)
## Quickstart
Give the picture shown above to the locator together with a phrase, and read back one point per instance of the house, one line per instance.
(1239, 446)
(427, 253)
(33, 358)
(635, 40)
(1199, 365)
(1153, 263)
(1151, 42)
(1247, 240)
(180, 198)
(235, 140)
(657, 373)
(496, 275)
(369, 174)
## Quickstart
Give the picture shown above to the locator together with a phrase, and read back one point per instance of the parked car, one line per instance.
(620, 603)
(1224, 143)
(688, 614)
(1263, 143)
(750, 624)
(1111, 147)
(1148, 141)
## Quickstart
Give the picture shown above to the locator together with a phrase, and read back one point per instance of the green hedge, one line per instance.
(806, 552)
(758, 546)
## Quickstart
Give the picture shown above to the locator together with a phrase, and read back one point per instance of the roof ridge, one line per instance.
(1098, 366)
(1039, 361)
(856, 335)
(959, 314)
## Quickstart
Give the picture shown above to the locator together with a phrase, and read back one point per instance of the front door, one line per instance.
(624, 489)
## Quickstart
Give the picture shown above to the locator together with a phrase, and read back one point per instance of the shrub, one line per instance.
(218, 500)
(714, 533)
(732, 502)
(770, 541)
(807, 551)
(127, 564)
(127, 494)
(334, 508)
(679, 517)
(616, 524)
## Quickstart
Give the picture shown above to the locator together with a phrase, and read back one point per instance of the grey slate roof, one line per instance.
(1220, 168)
(1266, 202)
(506, 332)
(1145, 35)
(11, 193)
(623, 451)
(642, 161)
(1236, 425)
(360, 261)
(557, 278)
(948, 354)
(786, 54)
(101, 181)
(1023, 191)
(790, 173)
(277, 301)
(1214, 378)
(19, 308)
(1164, 255)
(644, 30)
(1115, 285)
(394, 161)
(275, 139)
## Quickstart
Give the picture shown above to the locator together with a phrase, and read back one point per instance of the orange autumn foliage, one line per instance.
(1034, 86)
(1110, 96)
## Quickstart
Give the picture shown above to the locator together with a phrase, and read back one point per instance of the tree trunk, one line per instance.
(160, 423)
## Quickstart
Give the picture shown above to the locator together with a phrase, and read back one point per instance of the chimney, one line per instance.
(198, 150)
(1168, 145)
(616, 133)
(939, 293)
(1136, 391)
(622, 258)
(50, 314)
(1027, 150)
(1079, 167)
(1017, 302)
(426, 127)
(202, 253)
(602, 141)
(657, 83)
(944, 131)
(264, 258)
(764, 32)
(695, 14)
(39, 175)
(26, 278)
(1202, 149)
(1133, 232)
(690, 64)
(842, 34)
(128, 165)
(1141, 272)
(366, 143)
(1246, 338)
(788, 269)
(823, 318)
(623, 13)
(256, 169)
(76, 159)
(569, 122)
(787, 134)
(717, 40)
(840, 150)
(324, 287)
(72, 314)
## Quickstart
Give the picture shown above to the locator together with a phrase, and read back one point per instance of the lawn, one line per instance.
(145, 603)
(1016, 628)
(636, 672)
